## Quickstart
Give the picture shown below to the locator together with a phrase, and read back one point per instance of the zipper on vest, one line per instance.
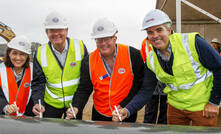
(110, 84)
(110, 75)
(62, 87)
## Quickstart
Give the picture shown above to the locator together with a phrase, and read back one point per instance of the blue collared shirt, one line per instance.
(162, 56)
(107, 66)
(61, 56)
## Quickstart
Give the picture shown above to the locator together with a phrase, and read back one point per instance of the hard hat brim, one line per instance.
(156, 24)
(56, 27)
(19, 49)
(216, 41)
(103, 35)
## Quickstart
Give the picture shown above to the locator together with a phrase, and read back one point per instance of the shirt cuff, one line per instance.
(128, 112)
(214, 104)
(214, 99)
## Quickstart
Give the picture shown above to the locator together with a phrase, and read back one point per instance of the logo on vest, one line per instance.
(26, 85)
(121, 70)
(73, 64)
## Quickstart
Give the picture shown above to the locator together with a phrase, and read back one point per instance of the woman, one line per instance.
(15, 78)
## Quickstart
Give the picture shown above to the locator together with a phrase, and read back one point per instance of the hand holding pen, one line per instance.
(118, 114)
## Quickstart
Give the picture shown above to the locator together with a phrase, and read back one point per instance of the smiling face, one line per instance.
(17, 58)
(159, 36)
(106, 46)
(57, 36)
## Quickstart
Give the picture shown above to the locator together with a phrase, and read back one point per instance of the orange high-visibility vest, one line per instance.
(10, 89)
(145, 49)
(111, 90)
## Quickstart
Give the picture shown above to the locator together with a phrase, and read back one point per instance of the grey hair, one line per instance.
(167, 25)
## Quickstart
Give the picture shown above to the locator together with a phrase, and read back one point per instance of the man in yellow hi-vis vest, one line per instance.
(190, 68)
(56, 72)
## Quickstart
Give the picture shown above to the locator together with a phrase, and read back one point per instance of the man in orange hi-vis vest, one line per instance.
(113, 71)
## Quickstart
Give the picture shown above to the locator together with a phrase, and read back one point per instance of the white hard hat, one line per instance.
(155, 17)
(103, 28)
(55, 20)
(20, 43)
(215, 40)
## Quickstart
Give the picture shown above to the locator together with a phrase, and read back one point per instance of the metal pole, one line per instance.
(178, 16)
(202, 11)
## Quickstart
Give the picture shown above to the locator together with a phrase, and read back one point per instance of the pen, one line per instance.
(118, 113)
(72, 110)
(39, 102)
(16, 110)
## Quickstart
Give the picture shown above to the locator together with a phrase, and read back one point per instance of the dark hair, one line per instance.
(8, 62)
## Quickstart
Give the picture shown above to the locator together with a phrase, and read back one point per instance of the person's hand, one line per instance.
(36, 109)
(211, 111)
(69, 113)
(12, 109)
(122, 112)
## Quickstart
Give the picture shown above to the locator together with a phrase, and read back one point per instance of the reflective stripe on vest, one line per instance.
(195, 65)
(66, 98)
(58, 85)
(21, 94)
(4, 82)
(65, 83)
(147, 48)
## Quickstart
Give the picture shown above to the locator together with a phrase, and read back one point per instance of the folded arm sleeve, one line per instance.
(145, 93)
(138, 68)
(211, 60)
(85, 87)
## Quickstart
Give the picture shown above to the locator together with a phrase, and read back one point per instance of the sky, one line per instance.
(26, 17)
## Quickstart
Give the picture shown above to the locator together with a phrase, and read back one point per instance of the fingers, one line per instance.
(210, 114)
(211, 111)
(12, 108)
(70, 114)
(115, 116)
(122, 114)
(36, 109)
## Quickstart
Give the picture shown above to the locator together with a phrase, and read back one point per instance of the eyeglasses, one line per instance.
(106, 39)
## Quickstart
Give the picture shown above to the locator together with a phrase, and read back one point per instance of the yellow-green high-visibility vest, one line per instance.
(61, 84)
(190, 86)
